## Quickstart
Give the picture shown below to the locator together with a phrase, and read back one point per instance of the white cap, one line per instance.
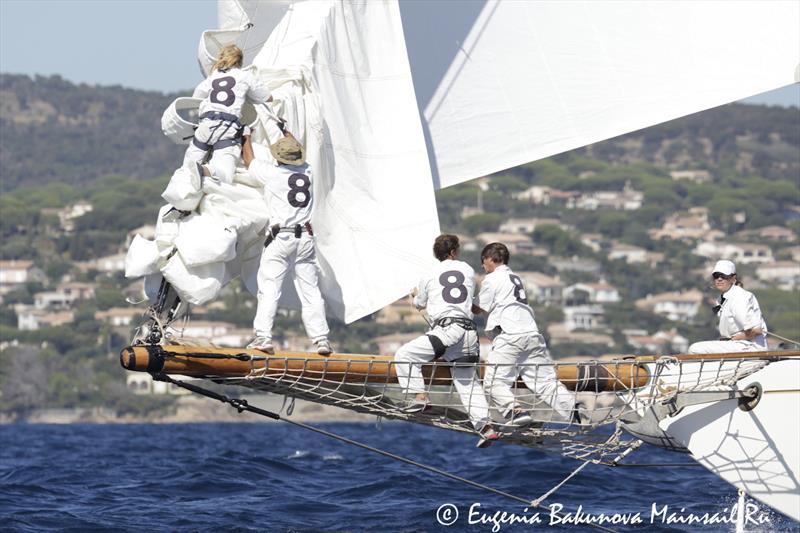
(724, 267)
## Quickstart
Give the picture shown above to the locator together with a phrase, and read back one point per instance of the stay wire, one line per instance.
(242, 405)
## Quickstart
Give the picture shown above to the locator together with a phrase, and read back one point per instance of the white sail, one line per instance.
(533, 79)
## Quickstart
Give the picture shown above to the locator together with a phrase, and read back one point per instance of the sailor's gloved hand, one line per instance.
(413, 292)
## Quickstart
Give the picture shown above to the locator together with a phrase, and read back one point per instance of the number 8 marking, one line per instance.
(299, 184)
(456, 285)
(224, 86)
(519, 291)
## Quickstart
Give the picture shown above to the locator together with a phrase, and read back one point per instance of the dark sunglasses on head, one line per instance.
(719, 275)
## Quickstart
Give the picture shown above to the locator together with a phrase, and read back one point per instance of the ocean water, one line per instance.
(278, 477)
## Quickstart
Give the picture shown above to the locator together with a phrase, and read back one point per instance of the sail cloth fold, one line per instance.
(355, 110)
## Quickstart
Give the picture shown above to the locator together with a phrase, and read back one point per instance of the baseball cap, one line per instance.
(288, 151)
(724, 267)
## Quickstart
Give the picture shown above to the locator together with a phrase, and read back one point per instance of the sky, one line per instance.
(141, 44)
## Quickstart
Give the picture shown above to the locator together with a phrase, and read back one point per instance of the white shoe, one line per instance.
(324, 347)
(263, 344)
(520, 419)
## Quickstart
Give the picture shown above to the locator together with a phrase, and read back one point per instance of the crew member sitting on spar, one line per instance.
(290, 241)
(224, 93)
(447, 294)
(518, 349)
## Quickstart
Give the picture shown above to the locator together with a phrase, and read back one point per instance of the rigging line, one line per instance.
(617, 465)
(242, 405)
(783, 338)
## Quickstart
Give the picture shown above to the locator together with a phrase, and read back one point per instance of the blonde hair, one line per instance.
(230, 56)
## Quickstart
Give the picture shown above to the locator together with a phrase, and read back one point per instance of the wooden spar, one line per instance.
(202, 361)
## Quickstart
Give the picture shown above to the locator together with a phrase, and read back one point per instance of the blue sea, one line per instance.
(278, 477)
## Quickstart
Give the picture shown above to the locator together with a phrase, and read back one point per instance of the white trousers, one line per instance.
(459, 343)
(708, 347)
(223, 161)
(287, 249)
(524, 356)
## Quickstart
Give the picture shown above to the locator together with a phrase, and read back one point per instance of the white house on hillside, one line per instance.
(678, 306)
(542, 288)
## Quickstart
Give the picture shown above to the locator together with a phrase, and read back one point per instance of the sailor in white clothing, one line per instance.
(224, 93)
(741, 326)
(290, 242)
(518, 349)
(447, 295)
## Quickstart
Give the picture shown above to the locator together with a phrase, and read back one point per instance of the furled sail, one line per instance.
(396, 99)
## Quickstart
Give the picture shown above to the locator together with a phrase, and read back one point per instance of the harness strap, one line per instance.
(465, 323)
(219, 115)
(219, 145)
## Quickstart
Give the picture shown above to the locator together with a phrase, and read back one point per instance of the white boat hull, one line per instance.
(757, 451)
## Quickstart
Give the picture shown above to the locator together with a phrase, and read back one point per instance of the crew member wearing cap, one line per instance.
(290, 240)
(741, 325)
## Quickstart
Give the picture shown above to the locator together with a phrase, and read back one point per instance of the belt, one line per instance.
(465, 323)
(297, 230)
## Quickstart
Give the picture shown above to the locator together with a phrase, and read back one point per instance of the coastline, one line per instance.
(193, 409)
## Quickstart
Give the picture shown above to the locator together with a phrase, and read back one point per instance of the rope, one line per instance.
(796, 343)
(242, 405)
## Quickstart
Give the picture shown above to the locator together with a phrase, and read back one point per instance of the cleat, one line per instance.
(488, 436)
(263, 344)
(324, 347)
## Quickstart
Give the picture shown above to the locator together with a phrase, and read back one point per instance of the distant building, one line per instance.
(627, 199)
(784, 274)
(583, 317)
(627, 252)
(662, 342)
(769, 233)
(65, 295)
(583, 293)
(31, 319)
(687, 227)
(143, 383)
(541, 195)
(576, 264)
(517, 244)
(696, 176)
(528, 225)
(108, 264)
(18, 271)
(738, 252)
(594, 241)
(677, 306)
(542, 288)
(68, 215)
(120, 316)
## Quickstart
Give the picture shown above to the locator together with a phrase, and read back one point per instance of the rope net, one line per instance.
(602, 398)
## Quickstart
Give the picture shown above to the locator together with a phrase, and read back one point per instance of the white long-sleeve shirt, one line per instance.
(503, 296)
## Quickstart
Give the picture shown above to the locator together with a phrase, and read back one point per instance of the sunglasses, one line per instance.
(718, 275)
